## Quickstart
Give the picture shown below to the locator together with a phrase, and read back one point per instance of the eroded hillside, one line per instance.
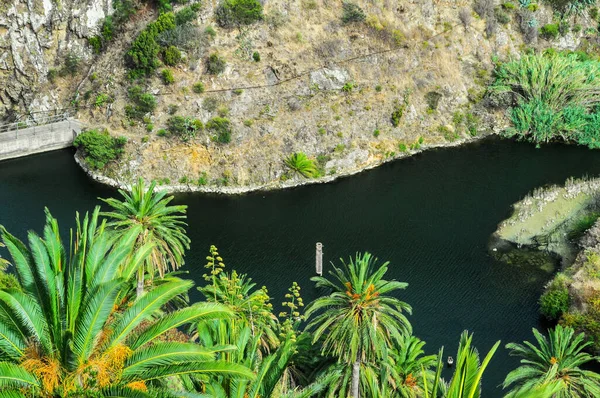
(349, 95)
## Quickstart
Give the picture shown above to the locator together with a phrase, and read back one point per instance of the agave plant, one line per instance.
(359, 321)
(557, 359)
(74, 327)
(301, 164)
(157, 223)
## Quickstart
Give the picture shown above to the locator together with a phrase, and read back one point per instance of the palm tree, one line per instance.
(408, 366)
(558, 358)
(359, 321)
(161, 225)
(466, 380)
(75, 327)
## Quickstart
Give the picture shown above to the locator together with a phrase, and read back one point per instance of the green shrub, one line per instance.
(171, 56)
(352, 13)
(96, 43)
(210, 31)
(149, 127)
(99, 148)
(164, 22)
(203, 179)
(162, 133)
(221, 127)
(549, 31)
(378, 88)
(556, 300)
(167, 76)
(184, 127)
(554, 97)
(173, 108)
(348, 87)
(186, 15)
(298, 162)
(239, 12)
(501, 16)
(402, 147)
(71, 65)
(52, 73)
(509, 6)
(433, 99)
(144, 103)
(210, 104)
(107, 30)
(576, 28)
(376, 133)
(101, 100)
(124, 9)
(256, 56)
(398, 111)
(215, 64)
(198, 87)
(142, 56)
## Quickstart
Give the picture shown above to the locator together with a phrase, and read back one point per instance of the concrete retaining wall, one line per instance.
(18, 143)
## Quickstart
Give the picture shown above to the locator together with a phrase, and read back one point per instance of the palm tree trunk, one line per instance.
(140, 284)
(356, 379)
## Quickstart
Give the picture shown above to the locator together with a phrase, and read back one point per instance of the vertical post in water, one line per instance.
(319, 258)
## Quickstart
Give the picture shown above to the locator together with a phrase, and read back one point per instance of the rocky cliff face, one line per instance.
(35, 37)
(321, 87)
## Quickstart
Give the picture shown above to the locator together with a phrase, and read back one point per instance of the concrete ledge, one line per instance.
(50, 137)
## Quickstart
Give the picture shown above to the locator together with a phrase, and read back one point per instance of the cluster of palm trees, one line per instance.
(106, 314)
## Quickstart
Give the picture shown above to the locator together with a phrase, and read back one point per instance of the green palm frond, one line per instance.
(157, 222)
(358, 316)
(13, 376)
(185, 316)
(558, 358)
(168, 353)
(96, 309)
(301, 164)
(213, 368)
(145, 307)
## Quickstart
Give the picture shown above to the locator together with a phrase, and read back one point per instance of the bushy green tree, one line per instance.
(239, 12)
(144, 103)
(171, 56)
(144, 52)
(221, 126)
(351, 12)
(99, 147)
(215, 64)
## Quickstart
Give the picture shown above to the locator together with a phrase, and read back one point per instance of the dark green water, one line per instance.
(430, 215)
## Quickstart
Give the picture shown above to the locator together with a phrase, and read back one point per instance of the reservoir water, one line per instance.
(430, 215)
